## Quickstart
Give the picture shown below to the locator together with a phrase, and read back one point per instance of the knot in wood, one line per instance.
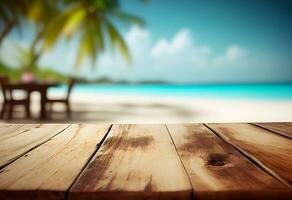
(216, 159)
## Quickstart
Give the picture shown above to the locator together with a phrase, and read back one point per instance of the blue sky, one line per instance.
(258, 23)
(192, 41)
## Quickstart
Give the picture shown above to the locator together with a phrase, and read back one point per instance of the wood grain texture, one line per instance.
(269, 150)
(48, 171)
(284, 129)
(7, 128)
(218, 171)
(17, 140)
(134, 162)
(14, 129)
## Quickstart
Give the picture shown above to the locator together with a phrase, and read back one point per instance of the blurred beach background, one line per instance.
(173, 61)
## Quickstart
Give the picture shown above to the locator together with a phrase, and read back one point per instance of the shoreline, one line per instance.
(106, 108)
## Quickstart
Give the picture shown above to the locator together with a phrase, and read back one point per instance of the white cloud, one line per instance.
(181, 41)
(181, 50)
(138, 37)
(175, 59)
(232, 54)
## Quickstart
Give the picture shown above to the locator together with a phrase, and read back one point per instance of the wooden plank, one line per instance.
(134, 162)
(19, 141)
(16, 129)
(218, 171)
(284, 129)
(7, 125)
(8, 128)
(48, 171)
(4, 125)
(269, 150)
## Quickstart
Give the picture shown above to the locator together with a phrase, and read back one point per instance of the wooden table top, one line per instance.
(144, 161)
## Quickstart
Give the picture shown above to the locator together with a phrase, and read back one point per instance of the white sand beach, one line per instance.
(97, 108)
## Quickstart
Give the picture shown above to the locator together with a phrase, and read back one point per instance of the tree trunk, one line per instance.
(6, 30)
(33, 52)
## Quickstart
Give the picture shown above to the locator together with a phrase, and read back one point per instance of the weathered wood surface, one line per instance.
(134, 162)
(17, 140)
(7, 128)
(14, 129)
(246, 161)
(284, 129)
(49, 170)
(272, 151)
(218, 171)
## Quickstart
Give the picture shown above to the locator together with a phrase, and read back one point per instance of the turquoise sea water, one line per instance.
(242, 91)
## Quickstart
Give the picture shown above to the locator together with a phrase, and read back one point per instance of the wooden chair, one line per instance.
(65, 100)
(9, 102)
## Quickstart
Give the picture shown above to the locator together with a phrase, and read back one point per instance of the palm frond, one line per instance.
(86, 48)
(53, 31)
(36, 10)
(74, 20)
(117, 41)
(64, 23)
(127, 17)
(99, 37)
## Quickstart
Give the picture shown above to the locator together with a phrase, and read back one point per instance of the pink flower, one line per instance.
(27, 77)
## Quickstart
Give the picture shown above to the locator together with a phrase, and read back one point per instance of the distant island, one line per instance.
(48, 74)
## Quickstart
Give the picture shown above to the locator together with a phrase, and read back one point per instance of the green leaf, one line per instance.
(118, 41)
(74, 21)
(99, 39)
(127, 17)
(86, 48)
(53, 31)
(36, 10)
(56, 26)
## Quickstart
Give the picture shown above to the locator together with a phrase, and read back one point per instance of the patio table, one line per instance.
(41, 87)
(146, 161)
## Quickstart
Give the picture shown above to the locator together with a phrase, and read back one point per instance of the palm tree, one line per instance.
(92, 22)
(14, 14)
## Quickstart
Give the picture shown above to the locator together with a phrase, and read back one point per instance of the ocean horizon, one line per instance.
(267, 91)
